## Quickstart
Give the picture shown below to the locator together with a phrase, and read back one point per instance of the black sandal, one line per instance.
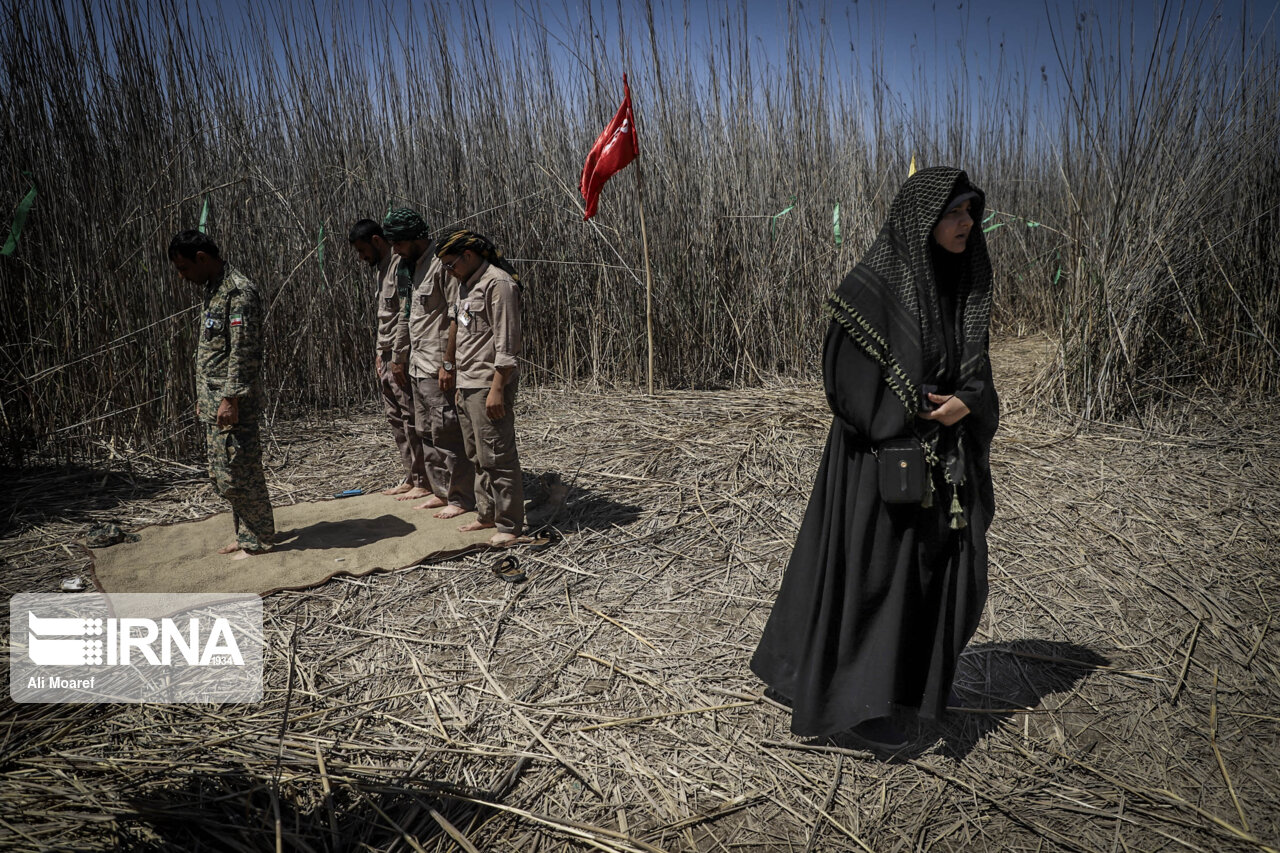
(508, 568)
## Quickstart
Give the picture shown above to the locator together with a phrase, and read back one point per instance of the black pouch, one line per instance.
(904, 474)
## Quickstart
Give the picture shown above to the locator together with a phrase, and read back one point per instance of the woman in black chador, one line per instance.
(880, 598)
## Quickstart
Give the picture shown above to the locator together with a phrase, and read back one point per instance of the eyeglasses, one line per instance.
(452, 266)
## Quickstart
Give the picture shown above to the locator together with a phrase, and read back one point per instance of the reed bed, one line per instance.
(1138, 195)
(1120, 694)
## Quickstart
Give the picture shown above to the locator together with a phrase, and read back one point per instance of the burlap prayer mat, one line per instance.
(315, 541)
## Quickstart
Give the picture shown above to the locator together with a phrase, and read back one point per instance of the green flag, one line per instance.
(773, 225)
(19, 219)
(204, 214)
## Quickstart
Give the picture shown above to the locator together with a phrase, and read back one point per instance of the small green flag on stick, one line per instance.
(20, 218)
(204, 214)
(773, 226)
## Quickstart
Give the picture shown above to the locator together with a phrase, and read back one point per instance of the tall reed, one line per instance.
(1138, 201)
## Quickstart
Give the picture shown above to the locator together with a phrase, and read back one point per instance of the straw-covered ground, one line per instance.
(1122, 690)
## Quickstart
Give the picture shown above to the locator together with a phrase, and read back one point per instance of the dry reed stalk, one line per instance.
(419, 692)
(292, 124)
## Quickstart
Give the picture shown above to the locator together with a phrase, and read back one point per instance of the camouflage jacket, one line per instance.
(229, 354)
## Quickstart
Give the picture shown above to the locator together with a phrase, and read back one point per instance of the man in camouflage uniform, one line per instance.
(229, 397)
(392, 359)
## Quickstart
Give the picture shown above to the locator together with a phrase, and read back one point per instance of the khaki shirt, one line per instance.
(229, 351)
(434, 290)
(393, 320)
(488, 326)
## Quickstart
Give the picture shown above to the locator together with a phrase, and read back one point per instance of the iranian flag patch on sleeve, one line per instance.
(237, 320)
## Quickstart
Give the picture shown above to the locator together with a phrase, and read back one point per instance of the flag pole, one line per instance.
(644, 242)
(648, 274)
(616, 147)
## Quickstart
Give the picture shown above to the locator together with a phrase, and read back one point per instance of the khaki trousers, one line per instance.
(451, 473)
(491, 447)
(397, 405)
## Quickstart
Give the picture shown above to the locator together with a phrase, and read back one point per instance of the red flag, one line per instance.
(616, 147)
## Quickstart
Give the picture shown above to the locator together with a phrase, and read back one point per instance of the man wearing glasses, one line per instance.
(488, 341)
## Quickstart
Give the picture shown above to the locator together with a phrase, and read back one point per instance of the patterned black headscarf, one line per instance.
(889, 303)
(459, 241)
(404, 224)
(889, 306)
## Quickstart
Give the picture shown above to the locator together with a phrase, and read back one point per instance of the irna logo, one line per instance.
(135, 647)
(108, 642)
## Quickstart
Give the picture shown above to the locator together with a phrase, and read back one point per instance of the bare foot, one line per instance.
(476, 525)
(397, 490)
(414, 493)
(501, 539)
(229, 549)
(451, 511)
(432, 502)
(242, 554)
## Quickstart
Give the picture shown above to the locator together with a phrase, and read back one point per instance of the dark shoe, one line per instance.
(508, 568)
(108, 534)
(881, 733)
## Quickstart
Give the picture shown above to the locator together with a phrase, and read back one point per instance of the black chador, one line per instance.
(879, 599)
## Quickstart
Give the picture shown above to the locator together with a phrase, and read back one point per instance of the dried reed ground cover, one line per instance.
(606, 704)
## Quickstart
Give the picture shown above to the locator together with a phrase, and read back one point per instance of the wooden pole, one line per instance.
(648, 274)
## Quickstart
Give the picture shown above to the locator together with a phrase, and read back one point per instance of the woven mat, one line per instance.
(315, 541)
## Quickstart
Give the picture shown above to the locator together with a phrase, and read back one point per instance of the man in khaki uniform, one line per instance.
(433, 293)
(488, 341)
(392, 359)
(229, 396)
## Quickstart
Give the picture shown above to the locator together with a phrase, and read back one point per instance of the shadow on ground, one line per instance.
(550, 501)
(590, 510)
(997, 680)
(234, 810)
(993, 682)
(70, 492)
(347, 533)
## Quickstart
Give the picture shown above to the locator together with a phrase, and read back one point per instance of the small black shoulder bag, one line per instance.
(904, 473)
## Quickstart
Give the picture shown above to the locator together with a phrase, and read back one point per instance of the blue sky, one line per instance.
(911, 32)
(918, 45)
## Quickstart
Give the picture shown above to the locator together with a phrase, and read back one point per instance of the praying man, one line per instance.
(486, 347)
(391, 362)
(229, 396)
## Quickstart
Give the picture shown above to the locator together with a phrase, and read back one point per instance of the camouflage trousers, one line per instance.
(235, 464)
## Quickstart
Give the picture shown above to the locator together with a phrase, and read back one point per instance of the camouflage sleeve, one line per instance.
(244, 359)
